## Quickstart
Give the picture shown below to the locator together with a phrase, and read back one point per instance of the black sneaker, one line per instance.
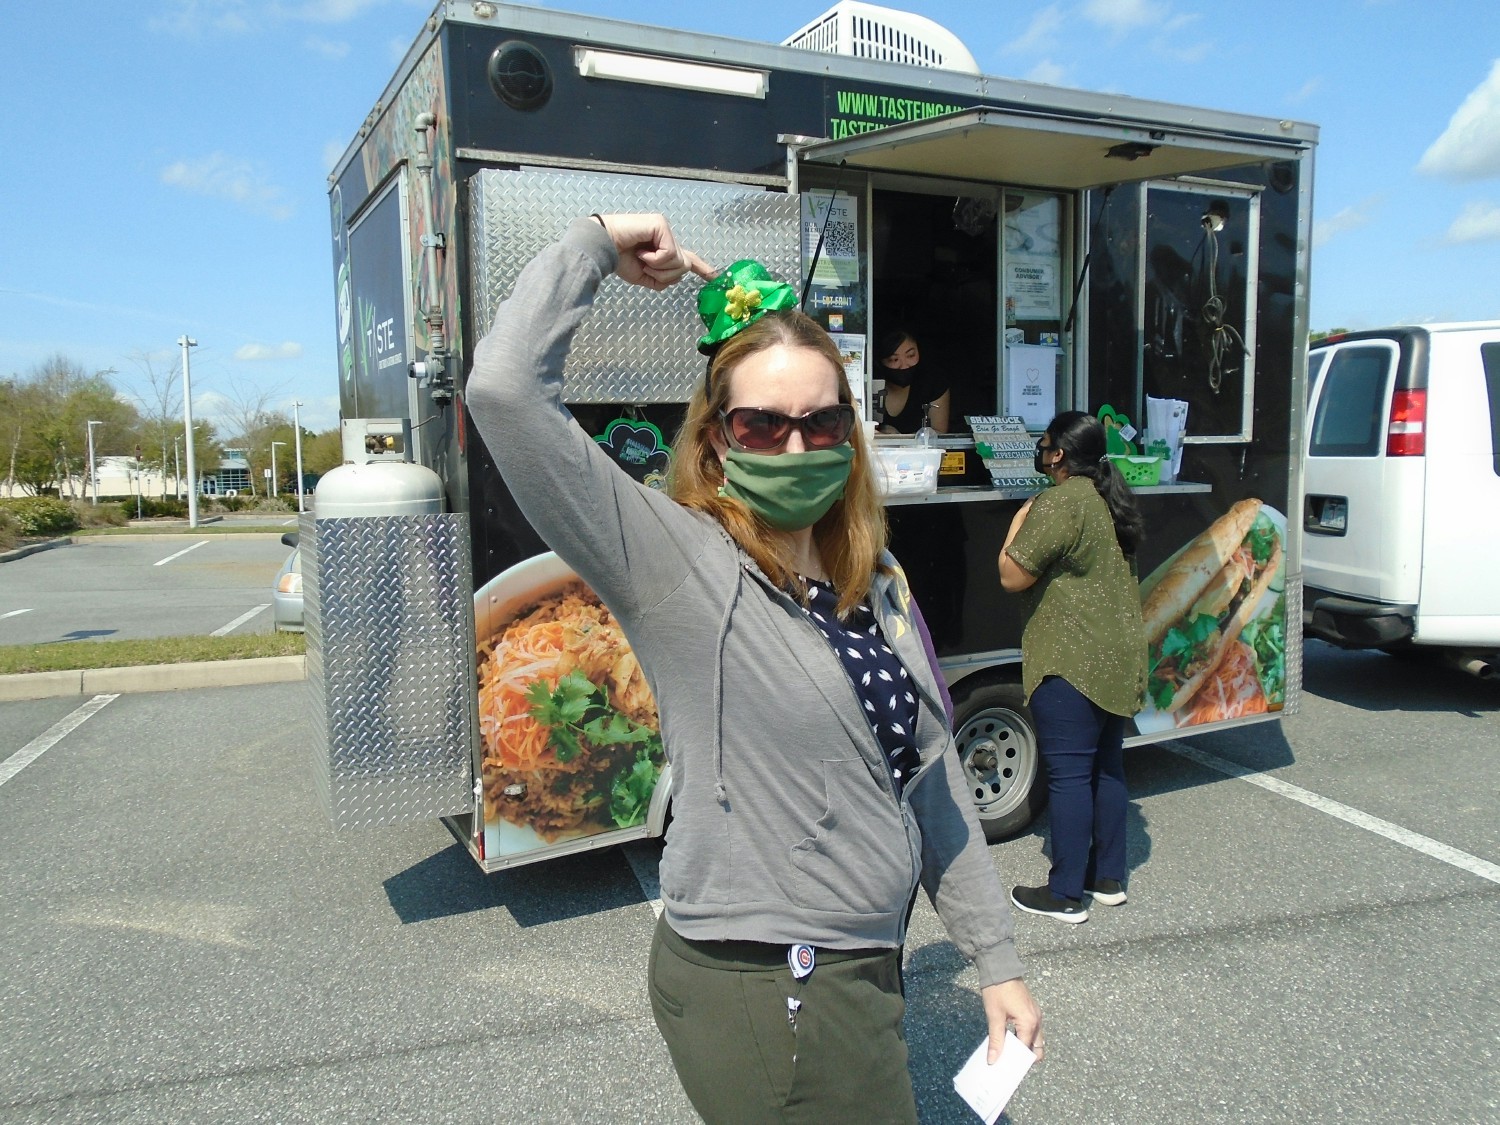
(1106, 892)
(1041, 900)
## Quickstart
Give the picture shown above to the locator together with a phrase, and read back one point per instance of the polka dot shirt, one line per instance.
(879, 679)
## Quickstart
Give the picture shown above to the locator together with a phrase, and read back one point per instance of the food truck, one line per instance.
(1050, 248)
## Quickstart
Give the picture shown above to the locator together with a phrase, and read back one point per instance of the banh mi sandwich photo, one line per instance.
(1201, 601)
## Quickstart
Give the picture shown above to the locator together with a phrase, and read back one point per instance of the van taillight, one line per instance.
(1406, 436)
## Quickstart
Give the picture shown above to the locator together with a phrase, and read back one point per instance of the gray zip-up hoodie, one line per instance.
(786, 825)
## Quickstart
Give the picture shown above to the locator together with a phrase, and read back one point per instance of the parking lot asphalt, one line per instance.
(188, 940)
(141, 586)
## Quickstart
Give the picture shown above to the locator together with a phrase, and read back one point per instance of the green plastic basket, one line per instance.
(1138, 471)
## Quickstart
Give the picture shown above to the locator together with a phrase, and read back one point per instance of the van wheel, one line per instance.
(997, 747)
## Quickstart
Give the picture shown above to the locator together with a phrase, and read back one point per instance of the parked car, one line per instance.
(286, 595)
(1402, 486)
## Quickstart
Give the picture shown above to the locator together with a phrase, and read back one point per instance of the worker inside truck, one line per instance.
(936, 268)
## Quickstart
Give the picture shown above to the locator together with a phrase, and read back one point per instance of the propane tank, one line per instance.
(376, 479)
(381, 488)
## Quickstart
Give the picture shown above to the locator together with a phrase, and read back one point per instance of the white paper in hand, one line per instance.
(987, 1088)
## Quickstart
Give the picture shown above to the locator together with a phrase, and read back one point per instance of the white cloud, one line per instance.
(1040, 33)
(1477, 222)
(239, 17)
(1049, 72)
(1172, 32)
(1125, 15)
(220, 176)
(332, 150)
(1192, 53)
(1342, 222)
(211, 405)
(329, 48)
(1469, 148)
(1307, 90)
(327, 11)
(197, 17)
(255, 352)
(318, 413)
(1167, 29)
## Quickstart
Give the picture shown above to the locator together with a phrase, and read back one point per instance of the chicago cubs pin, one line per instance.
(800, 958)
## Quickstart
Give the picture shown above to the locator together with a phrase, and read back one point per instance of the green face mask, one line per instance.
(789, 491)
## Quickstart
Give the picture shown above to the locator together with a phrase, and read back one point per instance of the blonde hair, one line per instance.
(850, 537)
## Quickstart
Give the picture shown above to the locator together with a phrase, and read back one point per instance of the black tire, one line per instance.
(997, 748)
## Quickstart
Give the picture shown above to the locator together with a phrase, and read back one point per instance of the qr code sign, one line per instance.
(839, 240)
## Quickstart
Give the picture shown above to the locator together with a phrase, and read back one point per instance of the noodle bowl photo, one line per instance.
(570, 736)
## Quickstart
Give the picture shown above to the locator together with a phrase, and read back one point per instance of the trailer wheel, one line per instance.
(997, 747)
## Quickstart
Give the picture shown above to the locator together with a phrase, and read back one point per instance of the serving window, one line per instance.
(1197, 312)
(977, 273)
(1034, 386)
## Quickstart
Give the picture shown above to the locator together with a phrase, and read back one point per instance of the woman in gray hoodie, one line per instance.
(814, 785)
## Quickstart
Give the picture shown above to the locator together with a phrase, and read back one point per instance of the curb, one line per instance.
(153, 677)
(33, 548)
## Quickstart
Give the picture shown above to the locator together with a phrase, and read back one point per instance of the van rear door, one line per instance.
(1460, 602)
(1364, 504)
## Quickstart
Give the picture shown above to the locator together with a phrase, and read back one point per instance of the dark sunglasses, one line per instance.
(754, 430)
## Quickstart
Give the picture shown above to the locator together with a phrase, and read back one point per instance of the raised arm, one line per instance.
(586, 509)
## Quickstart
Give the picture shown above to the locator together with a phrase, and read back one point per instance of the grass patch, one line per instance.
(67, 656)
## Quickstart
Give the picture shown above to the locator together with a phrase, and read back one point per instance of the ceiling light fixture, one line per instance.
(653, 70)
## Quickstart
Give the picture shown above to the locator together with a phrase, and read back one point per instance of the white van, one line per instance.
(1402, 483)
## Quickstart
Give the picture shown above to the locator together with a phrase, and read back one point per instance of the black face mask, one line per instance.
(1036, 460)
(902, 377)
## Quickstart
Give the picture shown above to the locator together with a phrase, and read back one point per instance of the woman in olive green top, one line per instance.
(1071, 554)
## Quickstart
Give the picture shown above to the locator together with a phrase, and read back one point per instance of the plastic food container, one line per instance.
(907, 470)
(1138, 471)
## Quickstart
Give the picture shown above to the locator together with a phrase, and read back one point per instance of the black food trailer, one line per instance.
(1051, 248)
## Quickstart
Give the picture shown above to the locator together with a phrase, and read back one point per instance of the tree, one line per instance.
(208, 451)
(249, 421)
(161, 411)
(10, 429)
(272, 426)
(323, 452)
(46, 418)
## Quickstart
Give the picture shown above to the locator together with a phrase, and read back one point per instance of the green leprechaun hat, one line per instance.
(737, 298)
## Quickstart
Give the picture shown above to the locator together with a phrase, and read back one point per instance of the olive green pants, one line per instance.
(722, 1008)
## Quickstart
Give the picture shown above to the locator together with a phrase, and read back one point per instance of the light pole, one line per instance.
(297, 426)
(93, 472)
(186, 342)
(274, 444)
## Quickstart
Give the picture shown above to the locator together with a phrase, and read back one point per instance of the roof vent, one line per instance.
(867, 31)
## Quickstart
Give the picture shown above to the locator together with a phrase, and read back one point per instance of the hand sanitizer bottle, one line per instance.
(926, 436)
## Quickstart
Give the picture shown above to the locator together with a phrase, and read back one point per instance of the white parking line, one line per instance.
(240, 620)
(1349, 815)
(13, 613)
(180, 553)
(52, 736)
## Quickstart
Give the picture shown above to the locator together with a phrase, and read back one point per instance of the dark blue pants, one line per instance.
(1081, 745)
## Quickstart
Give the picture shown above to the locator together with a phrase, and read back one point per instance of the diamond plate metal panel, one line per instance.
(388, 605)
(1293, 702)
(636, 346)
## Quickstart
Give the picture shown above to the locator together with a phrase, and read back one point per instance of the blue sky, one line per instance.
(167, 158)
